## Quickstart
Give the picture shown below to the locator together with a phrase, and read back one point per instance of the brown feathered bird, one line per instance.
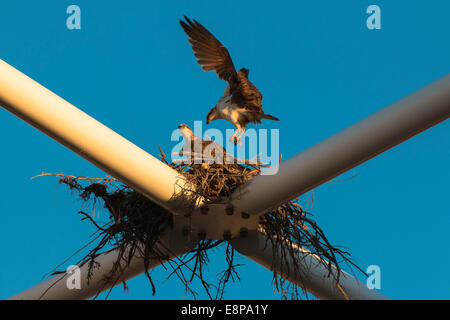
(207, 152)
(241, 102)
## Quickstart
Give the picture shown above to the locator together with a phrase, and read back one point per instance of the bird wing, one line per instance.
(250, 95)
(210, 53)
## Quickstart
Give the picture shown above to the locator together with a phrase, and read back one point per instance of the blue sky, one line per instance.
(320, 70)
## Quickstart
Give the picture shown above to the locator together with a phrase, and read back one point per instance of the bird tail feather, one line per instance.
(269, 117)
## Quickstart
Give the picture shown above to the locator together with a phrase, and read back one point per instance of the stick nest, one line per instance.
(135, 224)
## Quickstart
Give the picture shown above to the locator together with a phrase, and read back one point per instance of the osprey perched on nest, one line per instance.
(241, 102)
(208, 151)
(201, 150)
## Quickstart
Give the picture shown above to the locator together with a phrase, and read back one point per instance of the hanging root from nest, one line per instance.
(135, 224)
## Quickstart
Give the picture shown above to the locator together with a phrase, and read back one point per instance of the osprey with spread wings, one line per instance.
(241, 102)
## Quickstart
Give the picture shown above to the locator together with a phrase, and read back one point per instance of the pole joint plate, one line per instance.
(216, 222)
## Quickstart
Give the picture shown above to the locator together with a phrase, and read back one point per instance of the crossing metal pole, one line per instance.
(347, 149)
(87, 137)
(171, 245)
(122, 159)
(308, 271)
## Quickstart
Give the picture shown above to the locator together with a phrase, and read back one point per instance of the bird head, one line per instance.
(245, 72)
(185, 131)
(212, 115)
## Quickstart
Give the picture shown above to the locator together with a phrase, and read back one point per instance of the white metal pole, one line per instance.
(347, 149)
(56, 287)
(87, 137)
(122, 159)
(311, 275)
